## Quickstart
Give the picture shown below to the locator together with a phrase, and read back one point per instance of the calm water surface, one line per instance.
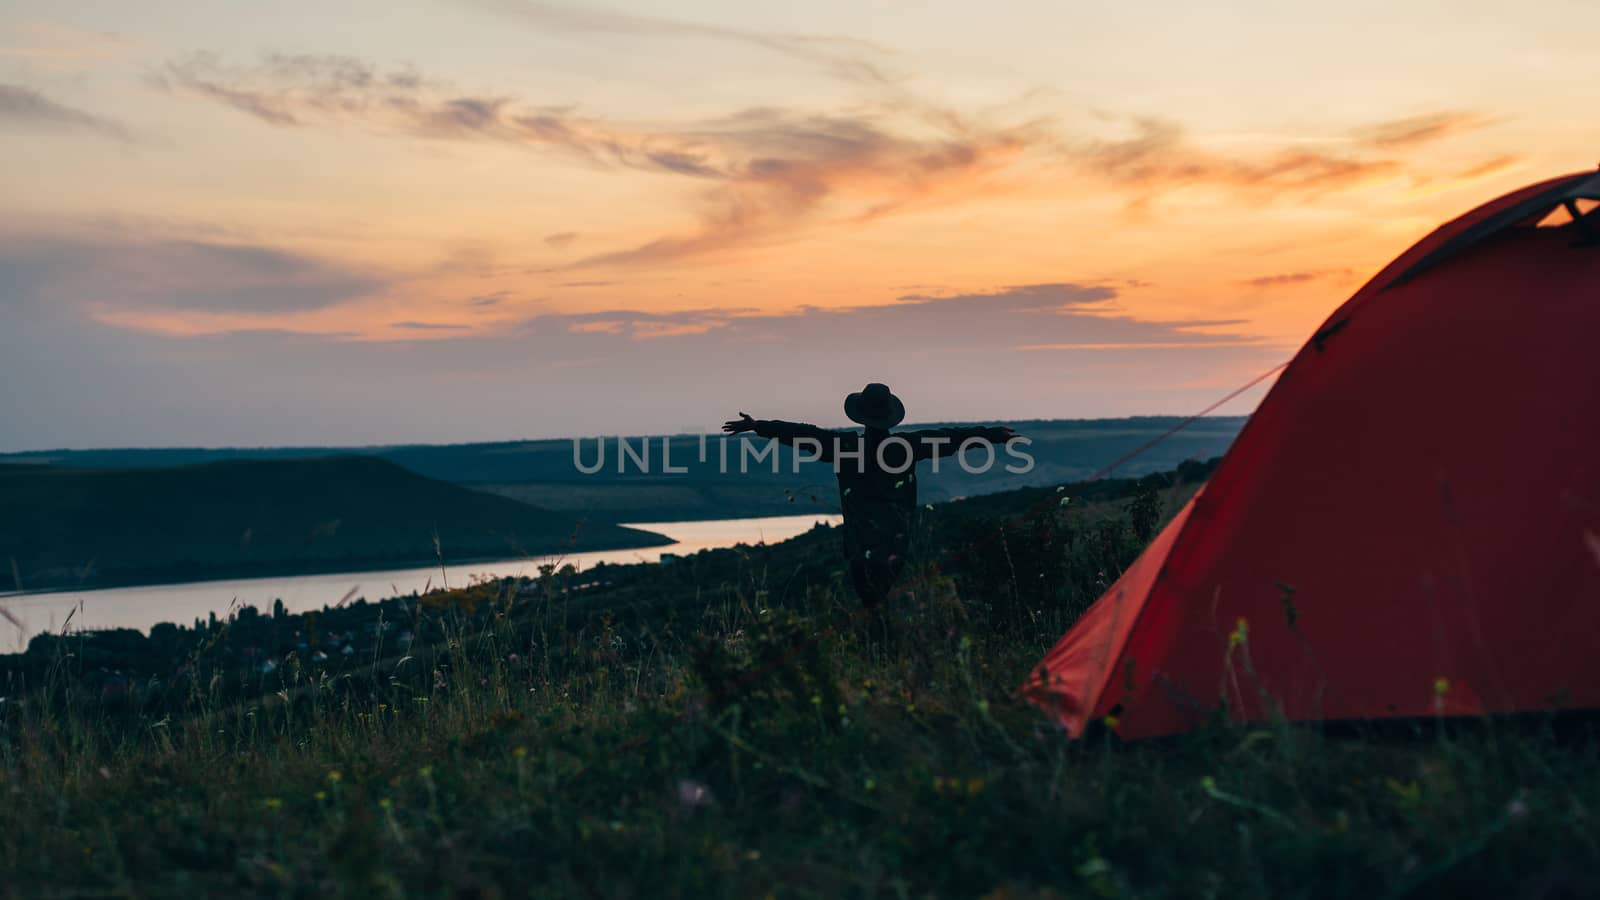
(143, 606)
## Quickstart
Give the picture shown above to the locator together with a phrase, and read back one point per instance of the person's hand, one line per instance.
(741, 424)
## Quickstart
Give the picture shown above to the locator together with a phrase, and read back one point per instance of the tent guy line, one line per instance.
(1145, 447)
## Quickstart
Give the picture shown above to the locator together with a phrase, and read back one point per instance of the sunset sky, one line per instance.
(457, 220)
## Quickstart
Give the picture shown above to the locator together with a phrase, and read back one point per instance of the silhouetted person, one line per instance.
(877, 477)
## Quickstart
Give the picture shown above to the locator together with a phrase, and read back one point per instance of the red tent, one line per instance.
(1409, 524)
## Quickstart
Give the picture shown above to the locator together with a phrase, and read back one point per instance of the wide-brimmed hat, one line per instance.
(875, 406)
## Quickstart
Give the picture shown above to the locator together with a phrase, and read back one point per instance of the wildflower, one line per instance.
(983, 707)
(974, 786)
(1111, 721)
(273, 803)
(816, 699)
(1094, 868)
(520, 752)
(1441, 686)
(1241, 633)
(426, 771)
(1517, 808)
(1409, 793)
(870, 784)
(692, 795)
(386, 803)
(335, 776)
(320, 795)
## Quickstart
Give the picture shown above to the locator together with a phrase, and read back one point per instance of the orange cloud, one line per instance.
(1285, 279)
(1159, 158)
(767, 171)
(1488, 167)
(1415, 130)
(1144, 345)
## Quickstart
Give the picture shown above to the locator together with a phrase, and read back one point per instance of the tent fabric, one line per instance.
(1408, 525)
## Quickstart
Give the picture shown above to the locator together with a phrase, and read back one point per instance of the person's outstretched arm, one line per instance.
(931, 442)
(786, 432)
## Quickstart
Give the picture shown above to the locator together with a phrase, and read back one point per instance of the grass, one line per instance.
(737, 729)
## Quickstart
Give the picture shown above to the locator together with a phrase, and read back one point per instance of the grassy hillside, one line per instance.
(729, 726)
(542, 472)
(68, 526)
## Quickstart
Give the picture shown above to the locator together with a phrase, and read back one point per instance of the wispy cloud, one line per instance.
(326, 90)
(848, 58)
(1145, 345)
(122, 274)
(952, 358)
(28, 108)
(1492, 166)
(766, 172)
(766, 175)
(1285, 279)
(1424, 128)
(1059, 316)
(1160, 156)
(428, 326)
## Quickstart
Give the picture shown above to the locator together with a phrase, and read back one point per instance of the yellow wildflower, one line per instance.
(1241, 632)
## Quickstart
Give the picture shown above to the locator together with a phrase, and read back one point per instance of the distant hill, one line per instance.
(63, 526)
(542, 472)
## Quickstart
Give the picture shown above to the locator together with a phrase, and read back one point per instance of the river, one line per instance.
(145, 605)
